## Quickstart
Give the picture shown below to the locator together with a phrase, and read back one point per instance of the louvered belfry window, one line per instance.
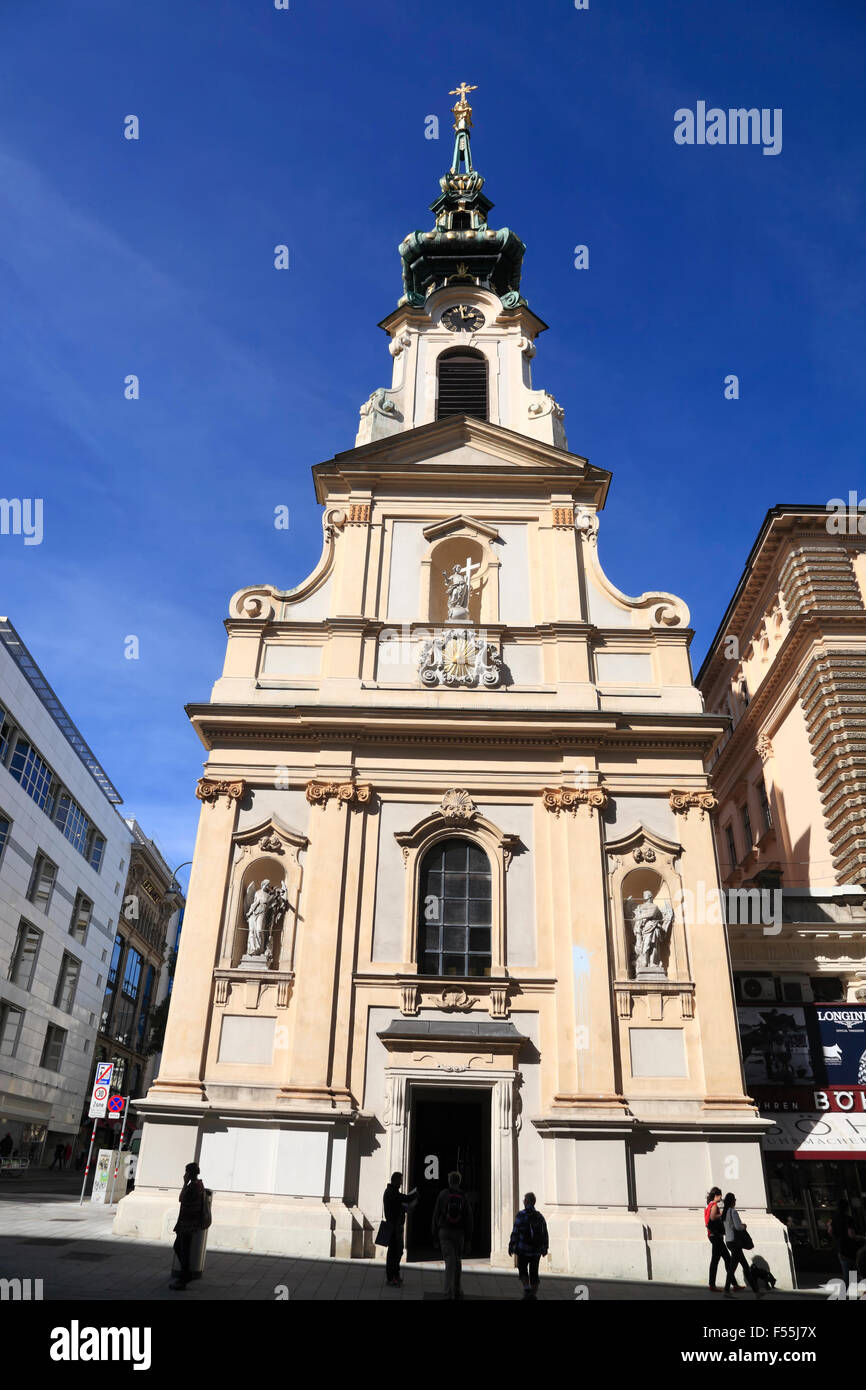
(462, 385)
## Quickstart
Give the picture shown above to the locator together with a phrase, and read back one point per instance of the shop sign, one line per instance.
(809, 1135)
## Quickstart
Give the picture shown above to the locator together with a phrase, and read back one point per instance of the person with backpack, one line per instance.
(528, 1242)
(738, 1240)
(452, 1231)
(715, 1225)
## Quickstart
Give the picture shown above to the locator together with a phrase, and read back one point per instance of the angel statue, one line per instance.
(651, 923)
(263, 911)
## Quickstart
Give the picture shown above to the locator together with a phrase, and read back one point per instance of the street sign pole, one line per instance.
(120, 1145)
(87, 1165)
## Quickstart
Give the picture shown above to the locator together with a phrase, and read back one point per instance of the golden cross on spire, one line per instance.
(461, 108)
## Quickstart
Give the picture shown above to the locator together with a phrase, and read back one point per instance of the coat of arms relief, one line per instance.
(459, 656)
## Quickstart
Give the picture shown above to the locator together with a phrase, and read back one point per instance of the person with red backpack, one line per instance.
(452, 1231)
(528, 1242)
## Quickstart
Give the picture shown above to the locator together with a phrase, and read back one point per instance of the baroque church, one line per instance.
(453, 811)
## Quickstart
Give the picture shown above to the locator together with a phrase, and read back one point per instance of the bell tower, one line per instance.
(462, 335)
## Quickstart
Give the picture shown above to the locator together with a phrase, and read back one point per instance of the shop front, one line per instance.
(805, 1064)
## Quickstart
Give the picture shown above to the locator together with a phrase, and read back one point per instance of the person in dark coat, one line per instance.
(528, 1242)
(6, 1146)
(192, 1218)
(452, 1231)
(395, 1205)
(57, 1160)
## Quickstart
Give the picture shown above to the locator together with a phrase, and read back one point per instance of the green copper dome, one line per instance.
(462, 248)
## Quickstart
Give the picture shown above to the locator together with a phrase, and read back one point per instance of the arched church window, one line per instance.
(455, 910)
(462, 381)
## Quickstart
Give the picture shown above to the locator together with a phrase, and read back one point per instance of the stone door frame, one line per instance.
(500, 1083)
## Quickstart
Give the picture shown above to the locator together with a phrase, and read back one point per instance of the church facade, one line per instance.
(455, 835)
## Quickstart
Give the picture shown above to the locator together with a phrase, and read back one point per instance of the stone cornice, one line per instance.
(782, 527)
(543, 728)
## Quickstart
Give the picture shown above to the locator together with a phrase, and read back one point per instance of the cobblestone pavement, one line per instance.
(45, 1234)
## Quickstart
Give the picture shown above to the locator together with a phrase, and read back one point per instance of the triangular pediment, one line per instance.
(460, 525)
(460, 447)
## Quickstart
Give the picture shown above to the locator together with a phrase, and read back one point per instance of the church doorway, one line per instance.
(449, 1128)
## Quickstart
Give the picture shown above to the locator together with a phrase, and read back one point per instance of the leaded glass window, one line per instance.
(455, 910)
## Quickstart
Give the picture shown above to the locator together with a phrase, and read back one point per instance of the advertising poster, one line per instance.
(842, 1031)
(776, 1048)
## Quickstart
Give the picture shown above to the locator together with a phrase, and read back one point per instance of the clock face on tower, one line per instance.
(463, 318)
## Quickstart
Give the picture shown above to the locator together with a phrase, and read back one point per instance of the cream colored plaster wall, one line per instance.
(514, 587)
(314, 607)
(798, 805)
(290, 806)
(408, 548)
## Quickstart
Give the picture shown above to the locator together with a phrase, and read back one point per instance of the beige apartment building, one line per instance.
(788, 667)
(453, 797)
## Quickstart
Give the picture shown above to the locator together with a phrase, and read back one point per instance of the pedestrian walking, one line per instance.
(57, 1160)
(528, 1242)
(7, 1144)
(452, 1232)
(395, 1205)
(715, 1225)
(194, 1217)
(67, 1154)
(738, 1240)
(847, 1240)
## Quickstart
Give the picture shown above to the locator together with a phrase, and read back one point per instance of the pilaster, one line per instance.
(187, 1030)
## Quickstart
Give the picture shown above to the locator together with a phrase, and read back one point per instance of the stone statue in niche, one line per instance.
(264, 909)
(457, 584)
(651, 924)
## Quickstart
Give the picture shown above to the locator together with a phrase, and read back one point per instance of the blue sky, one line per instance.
(306, 127)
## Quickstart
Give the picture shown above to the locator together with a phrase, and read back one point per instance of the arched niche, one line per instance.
(265, 870)
(638, 862)
(269, 851)
(451, 543)
(635, 885)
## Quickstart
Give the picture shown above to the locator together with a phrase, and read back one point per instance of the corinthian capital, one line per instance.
(347, 793)
(683, 802)
(209, 790)
(558, 799)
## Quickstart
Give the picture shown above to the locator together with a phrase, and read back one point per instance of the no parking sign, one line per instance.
(115, 1107)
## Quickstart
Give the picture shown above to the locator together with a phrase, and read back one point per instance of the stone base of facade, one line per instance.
(660, 1246)
(263, 1225)
(664, 1246)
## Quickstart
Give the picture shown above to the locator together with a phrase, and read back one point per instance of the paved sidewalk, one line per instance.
(72, 1249)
